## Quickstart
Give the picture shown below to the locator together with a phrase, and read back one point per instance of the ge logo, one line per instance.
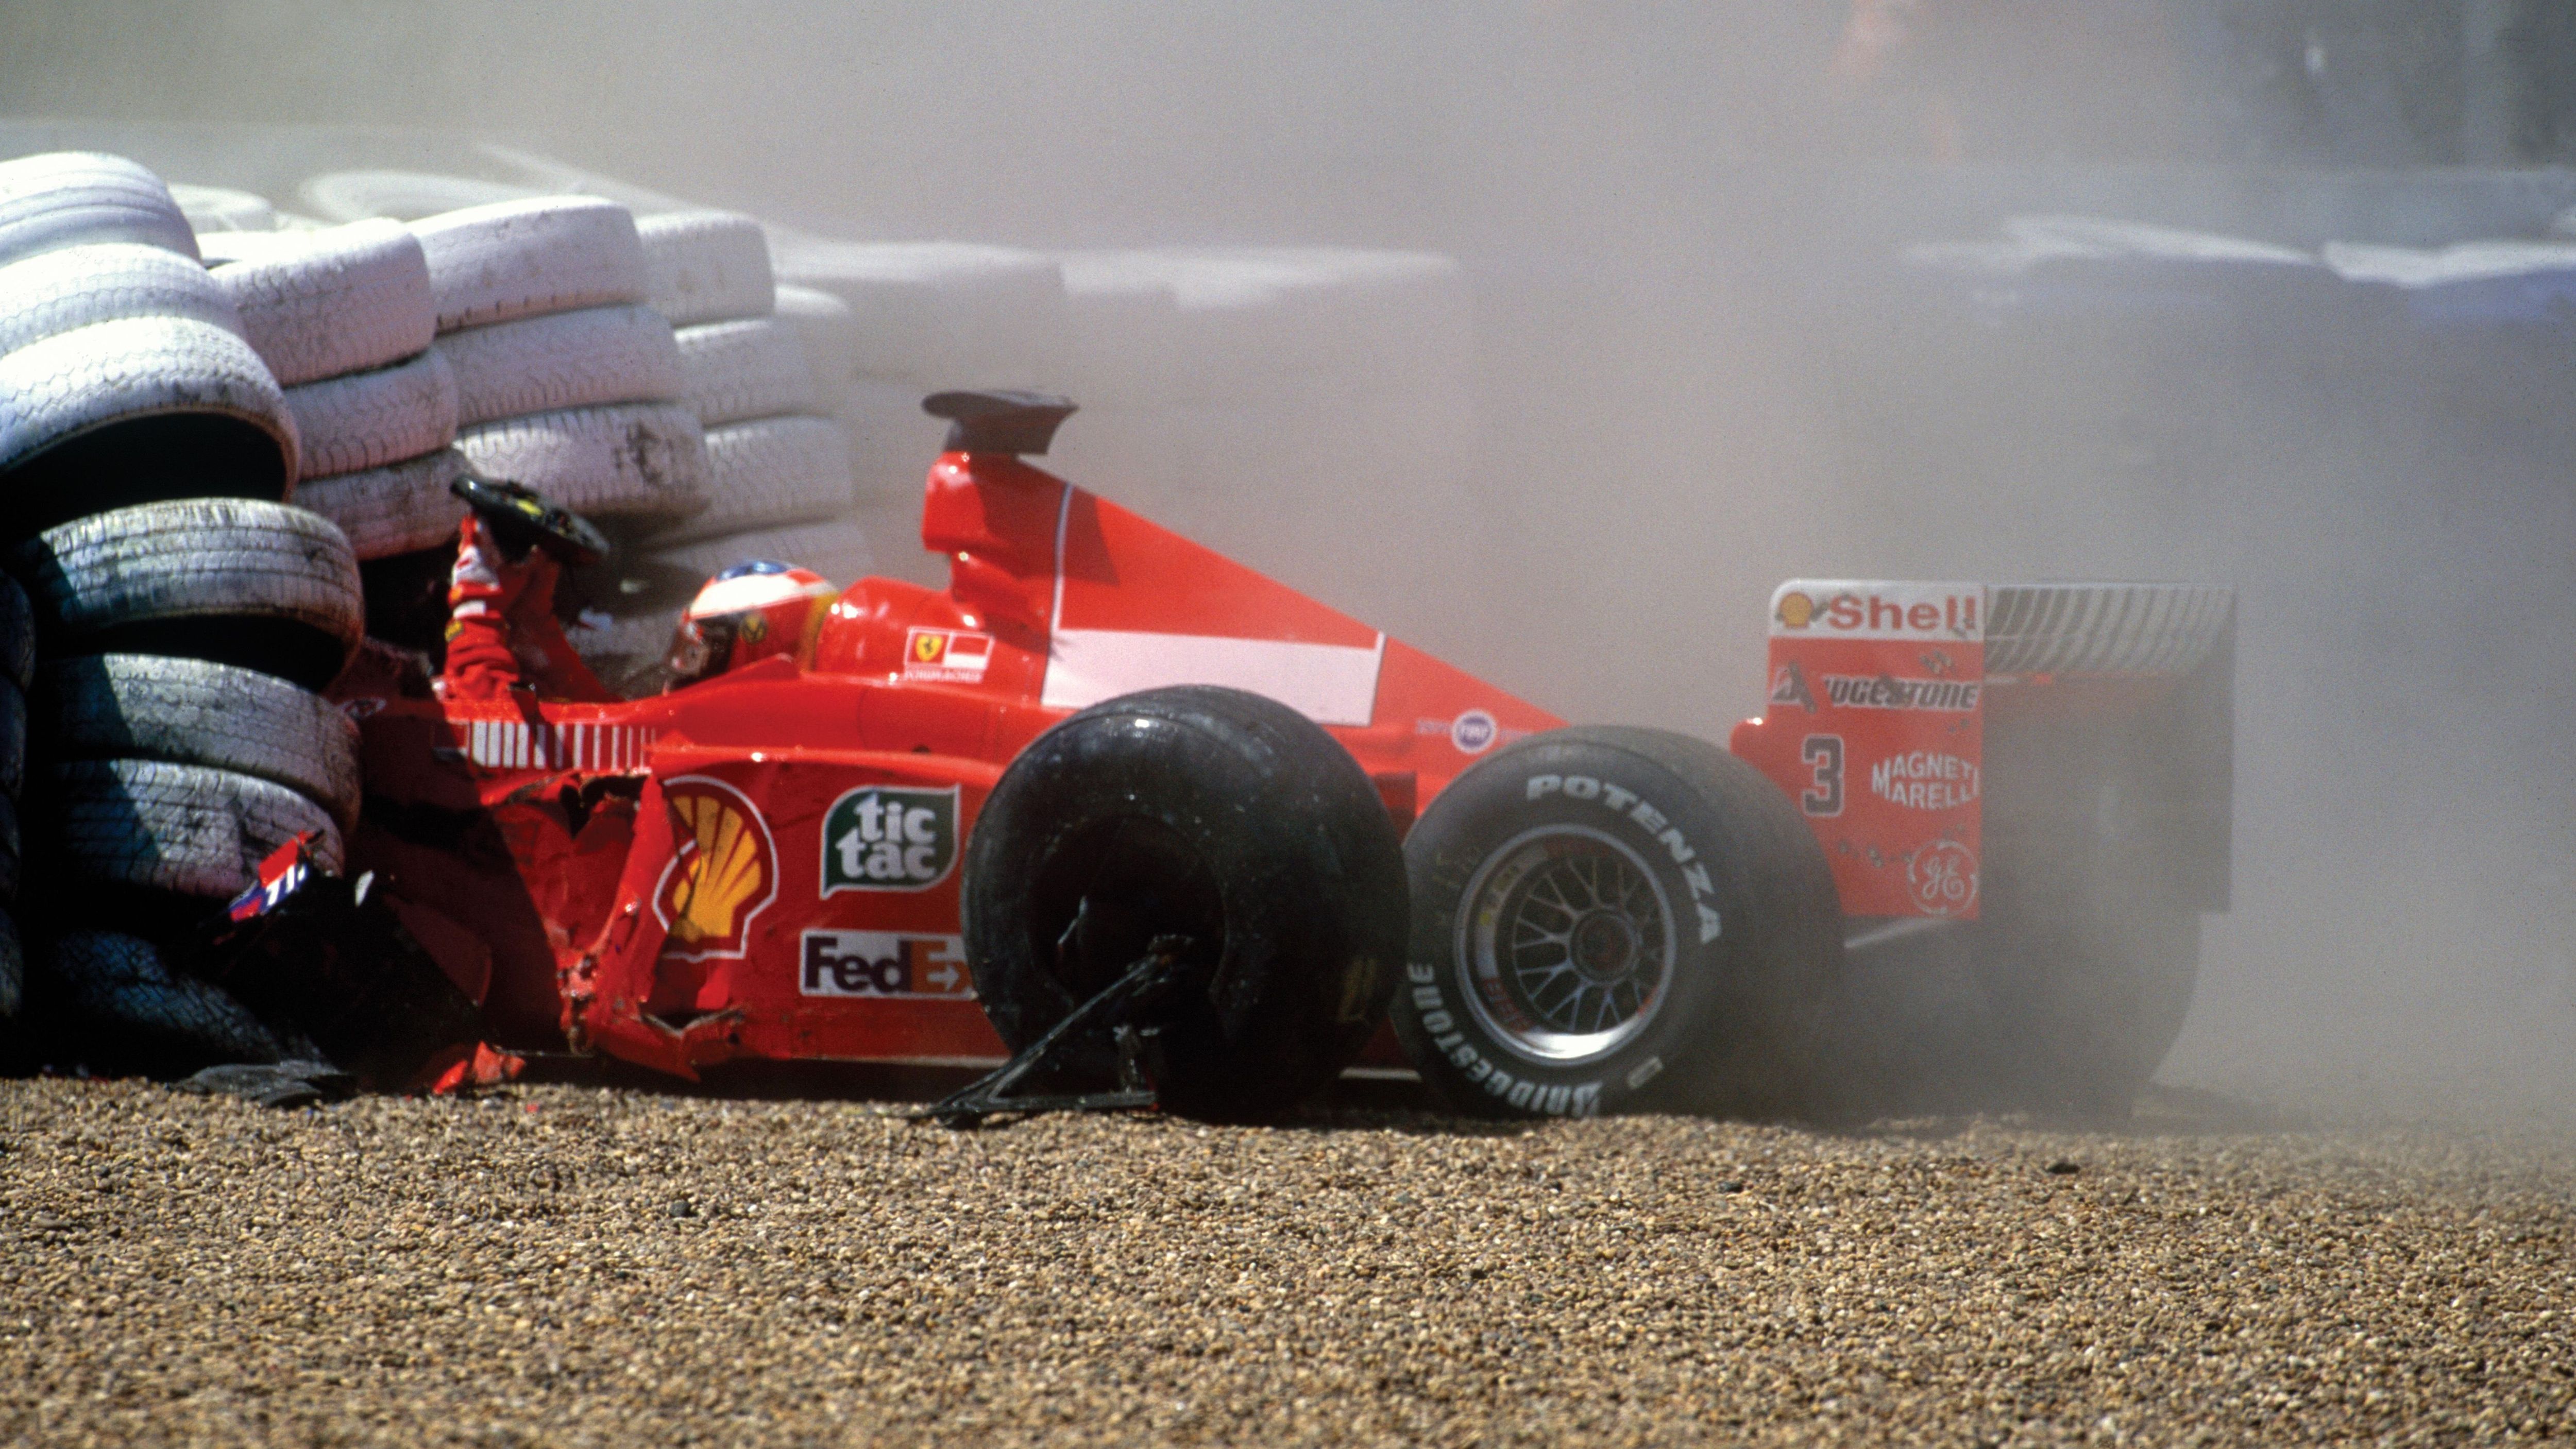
(1473, 733)
(1943, 876)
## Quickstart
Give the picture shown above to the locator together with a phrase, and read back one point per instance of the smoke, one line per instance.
(1701, 369)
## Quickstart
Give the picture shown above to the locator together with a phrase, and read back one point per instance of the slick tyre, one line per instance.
(258, 585)
(1211, 814)
(322, 303)
(1617, 920)
(189, 712)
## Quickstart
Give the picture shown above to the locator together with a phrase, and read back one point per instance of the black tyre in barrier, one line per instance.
(1611, 920)
(1207, 813)
(253, 584)
(13, 978)
(126, 1009)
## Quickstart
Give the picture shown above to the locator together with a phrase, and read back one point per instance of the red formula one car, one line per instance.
(1113, 787)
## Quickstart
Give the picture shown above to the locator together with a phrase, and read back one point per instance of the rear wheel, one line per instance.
(1205, 813)
(1615, 920)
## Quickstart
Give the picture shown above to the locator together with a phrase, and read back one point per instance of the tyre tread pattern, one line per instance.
(706, 266)
(644, 461)
(363, 420)
(585, 358)
(321, 303)
(194, 558)
(524, 258)
(190, 712)
(57, 292)
(184, 829)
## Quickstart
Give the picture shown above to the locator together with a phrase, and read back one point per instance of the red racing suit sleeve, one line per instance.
(501, 629)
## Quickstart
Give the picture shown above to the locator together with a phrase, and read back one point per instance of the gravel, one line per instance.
(585, 1265)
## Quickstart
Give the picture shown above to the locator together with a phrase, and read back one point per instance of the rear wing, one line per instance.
(1945, 740)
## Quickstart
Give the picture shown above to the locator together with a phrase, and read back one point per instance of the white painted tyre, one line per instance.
(645, 461)
(751, 368)
(575, 359)
(74, 198)
(892, 441)
(221, 208)
(400, 508)
(525, 258)
(829, 333)
(369, 419)
(95, 418)
(626, 652)
(706, 266)
(837, 550)
(944, 314)
(320, 303)
(400, 195)
(770, 472)
(109, 282)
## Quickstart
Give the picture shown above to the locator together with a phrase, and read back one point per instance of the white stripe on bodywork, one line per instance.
(1334, 684)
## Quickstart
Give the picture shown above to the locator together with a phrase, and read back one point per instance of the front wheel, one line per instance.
(1217, 816)
(1613, 920)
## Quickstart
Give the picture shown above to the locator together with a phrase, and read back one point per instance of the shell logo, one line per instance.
(723, 873)
(1797, 610)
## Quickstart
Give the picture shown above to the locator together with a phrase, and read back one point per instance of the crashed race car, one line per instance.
(1179, 834)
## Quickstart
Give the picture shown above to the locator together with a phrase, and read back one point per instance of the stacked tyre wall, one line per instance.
(170, 735)
(779, 470)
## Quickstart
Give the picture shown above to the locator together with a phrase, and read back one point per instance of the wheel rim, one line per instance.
(1565, 949)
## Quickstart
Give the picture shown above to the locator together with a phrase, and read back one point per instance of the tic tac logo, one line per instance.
(1864, 609)
(1925, 780)
(1943, 877)
(1473, 733)
(884, 963)
(889, 838)
(954, 656)
(724, 873)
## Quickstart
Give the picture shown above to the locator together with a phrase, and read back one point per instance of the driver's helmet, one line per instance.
(748, 613)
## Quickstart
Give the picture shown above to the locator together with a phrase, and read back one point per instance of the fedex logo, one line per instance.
(1866, 609)
(884, 963)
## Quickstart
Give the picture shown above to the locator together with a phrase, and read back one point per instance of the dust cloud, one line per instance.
(1701, 368)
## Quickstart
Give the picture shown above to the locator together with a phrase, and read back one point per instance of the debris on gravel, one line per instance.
(572, 1264)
